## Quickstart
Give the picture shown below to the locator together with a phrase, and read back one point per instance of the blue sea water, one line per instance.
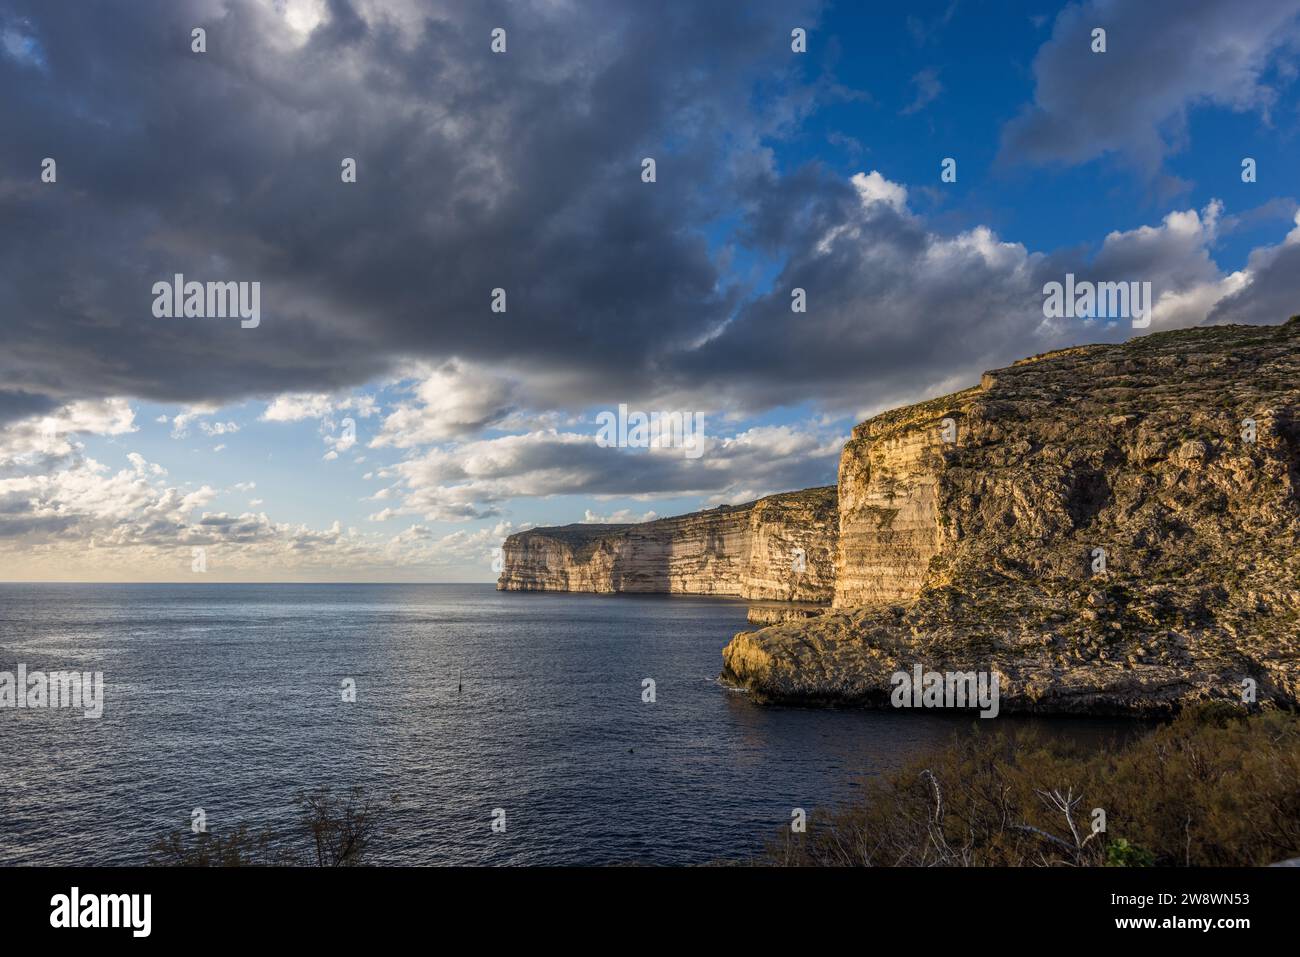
(228, 698)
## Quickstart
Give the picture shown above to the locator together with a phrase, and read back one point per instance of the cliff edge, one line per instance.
(1109, 528)
(778, 548)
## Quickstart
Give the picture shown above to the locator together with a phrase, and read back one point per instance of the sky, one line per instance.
(440, 337)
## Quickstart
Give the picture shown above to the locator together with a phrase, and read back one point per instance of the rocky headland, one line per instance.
(1108, 529)
(1113, 529)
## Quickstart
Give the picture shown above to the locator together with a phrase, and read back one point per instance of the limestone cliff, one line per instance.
(781, 547)
(1113, 528)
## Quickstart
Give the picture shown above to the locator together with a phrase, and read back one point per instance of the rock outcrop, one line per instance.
(1112, 529)
(774, 612)
(778, 548)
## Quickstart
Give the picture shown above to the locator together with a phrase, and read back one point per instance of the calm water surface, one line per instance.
(227, 697)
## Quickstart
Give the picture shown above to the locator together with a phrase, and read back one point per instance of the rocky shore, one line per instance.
(1112, 529)
(1108, 529)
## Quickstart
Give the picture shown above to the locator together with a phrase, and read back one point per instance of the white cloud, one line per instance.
(181, 422)
(218, 428)
(874, 188)
(297, 406)
(45, 437)
(623, 516)
(1163, 59)
(452, 400)
(65, 515)
(472, 480)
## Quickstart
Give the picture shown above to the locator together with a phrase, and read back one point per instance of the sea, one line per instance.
(510, 728)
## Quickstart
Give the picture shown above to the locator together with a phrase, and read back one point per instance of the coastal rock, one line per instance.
(1109, 528)
(774, 612)
(778, 548)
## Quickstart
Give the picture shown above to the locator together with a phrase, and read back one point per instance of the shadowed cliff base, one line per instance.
(1213, 788)
(1110, 529)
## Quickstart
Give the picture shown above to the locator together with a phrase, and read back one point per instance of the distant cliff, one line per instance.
(781, 547)
(1110, 528)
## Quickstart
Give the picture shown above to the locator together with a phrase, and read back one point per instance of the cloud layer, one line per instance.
(521, 172)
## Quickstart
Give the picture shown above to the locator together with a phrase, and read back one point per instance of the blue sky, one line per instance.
(775, 170)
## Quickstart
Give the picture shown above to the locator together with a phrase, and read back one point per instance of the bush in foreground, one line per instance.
(331, 831)
(1213, 787)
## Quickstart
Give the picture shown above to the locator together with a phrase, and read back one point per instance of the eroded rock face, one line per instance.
(750, 551)
(890, 526)
(981, 554)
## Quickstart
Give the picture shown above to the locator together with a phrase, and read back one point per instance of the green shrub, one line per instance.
(1120, 853)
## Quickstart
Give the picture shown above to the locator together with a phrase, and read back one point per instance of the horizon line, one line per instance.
(60, 581)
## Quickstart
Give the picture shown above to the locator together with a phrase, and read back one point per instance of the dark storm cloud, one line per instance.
(892, 309)
(476, 171)
(21, 405)
(1162, 58)
(1274, 290)
(522, 171)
